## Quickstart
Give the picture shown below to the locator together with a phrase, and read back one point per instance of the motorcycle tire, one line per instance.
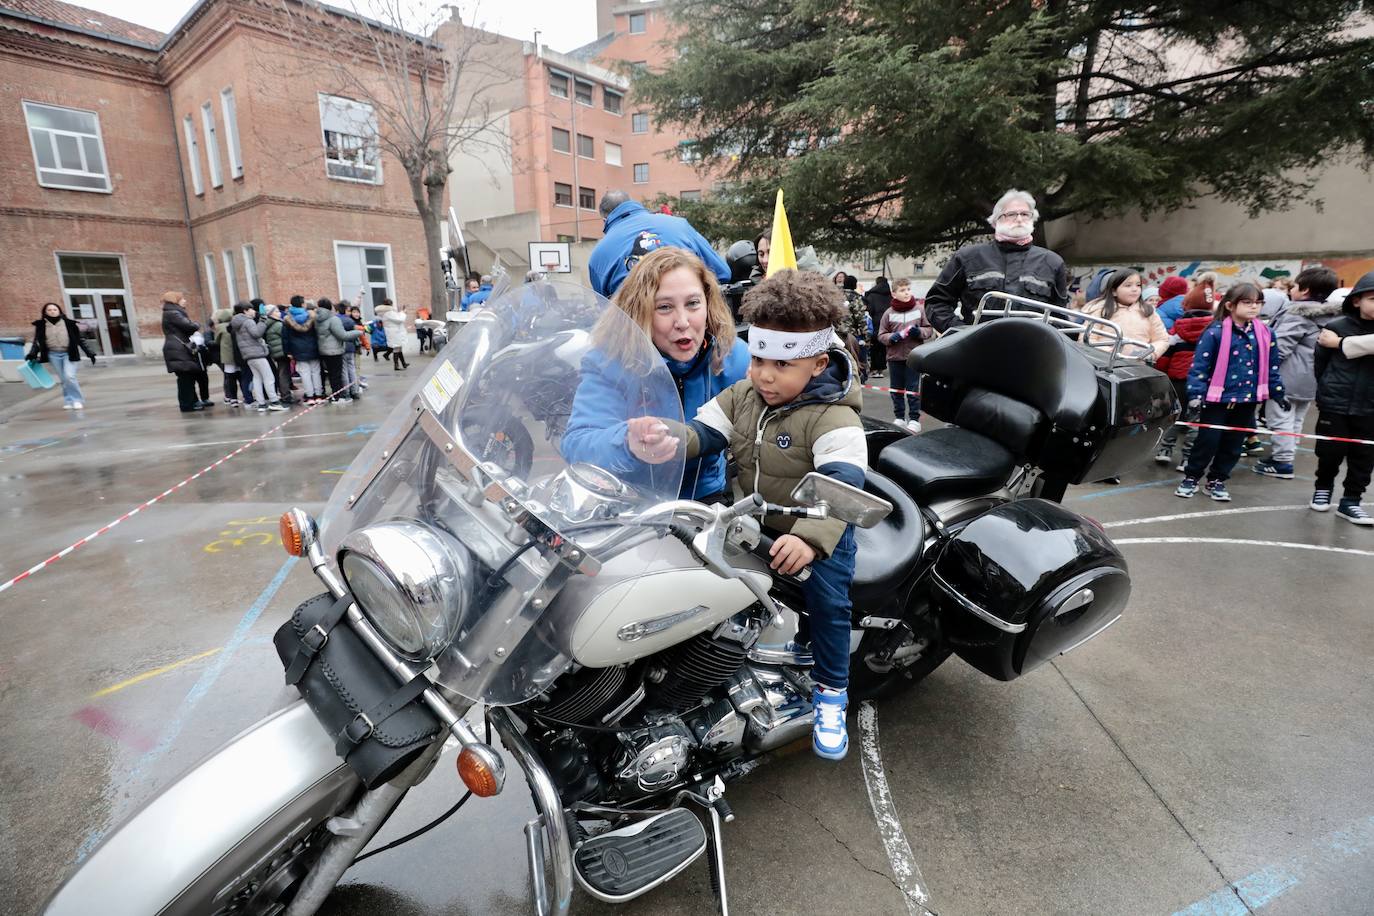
(867, 683)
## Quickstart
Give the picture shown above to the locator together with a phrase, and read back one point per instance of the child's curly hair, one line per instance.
(794, 300)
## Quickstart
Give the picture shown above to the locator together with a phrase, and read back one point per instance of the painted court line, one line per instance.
(904, 870)
(1243, 542)
(1209, 514)
(147, 675)
(1330, 853)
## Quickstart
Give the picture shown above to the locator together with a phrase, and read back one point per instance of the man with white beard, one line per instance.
(1009, 263)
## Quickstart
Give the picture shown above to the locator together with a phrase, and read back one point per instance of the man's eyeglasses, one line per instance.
(1015, 214)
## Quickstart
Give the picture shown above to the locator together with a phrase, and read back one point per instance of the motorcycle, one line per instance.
(631, 650)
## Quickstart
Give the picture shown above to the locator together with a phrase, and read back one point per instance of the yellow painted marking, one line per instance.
(140, 678)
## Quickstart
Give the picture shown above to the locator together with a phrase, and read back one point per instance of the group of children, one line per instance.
(1228, 363)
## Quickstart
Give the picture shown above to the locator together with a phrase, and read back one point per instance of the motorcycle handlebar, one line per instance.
(763, 549)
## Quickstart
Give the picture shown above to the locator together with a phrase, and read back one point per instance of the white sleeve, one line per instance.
(711, 414)
(844, 444)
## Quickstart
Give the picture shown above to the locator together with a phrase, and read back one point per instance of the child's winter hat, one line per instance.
(1173, 286)
(1362, 286)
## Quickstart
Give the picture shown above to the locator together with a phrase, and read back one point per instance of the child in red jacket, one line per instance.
(1175, 363)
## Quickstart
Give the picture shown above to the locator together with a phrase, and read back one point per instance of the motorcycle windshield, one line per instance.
(502, 474)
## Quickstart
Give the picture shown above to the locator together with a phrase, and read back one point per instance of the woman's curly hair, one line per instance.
(794, 300)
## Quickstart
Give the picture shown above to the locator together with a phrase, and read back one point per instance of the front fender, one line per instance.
(272, 782)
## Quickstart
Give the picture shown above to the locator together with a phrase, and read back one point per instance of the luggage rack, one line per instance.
(1103, 335)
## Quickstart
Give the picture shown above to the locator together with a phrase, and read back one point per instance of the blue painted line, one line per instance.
(1131, 489)
(202, 686)
(364, 429)
(1260, 888)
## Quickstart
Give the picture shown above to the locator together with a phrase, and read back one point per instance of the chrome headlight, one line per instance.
(412, 583)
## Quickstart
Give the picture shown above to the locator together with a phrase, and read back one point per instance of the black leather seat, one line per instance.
(947, 463)
(888, 550)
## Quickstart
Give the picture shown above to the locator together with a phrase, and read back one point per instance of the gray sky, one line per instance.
(564, 24)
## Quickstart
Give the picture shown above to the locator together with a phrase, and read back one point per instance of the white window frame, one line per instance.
(81, 148)
(210, 282)
(390, 274)
(231, 280)
(643, 23)
(359, 161)
(567, 84)
(229, 108)
(639, 114)
(572, 195)
(103, 319)
(696, 192)
(591, 140)
(188, 128)
(561, 152)
(580, 189)
(607, 146)
(591, 98)
(635, 173)
(250, 271)
(207, 120)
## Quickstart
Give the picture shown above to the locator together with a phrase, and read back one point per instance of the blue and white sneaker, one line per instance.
(1352, 512)
(829, 736)
(1217, 490)
(1187, 488)
(1273, 468)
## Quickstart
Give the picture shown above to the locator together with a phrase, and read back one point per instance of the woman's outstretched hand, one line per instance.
(650, 440)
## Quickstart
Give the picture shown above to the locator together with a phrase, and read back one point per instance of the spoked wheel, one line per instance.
(268, 889)
(879, 669)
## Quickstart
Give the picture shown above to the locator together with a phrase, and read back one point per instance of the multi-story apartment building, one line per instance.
(213, 160)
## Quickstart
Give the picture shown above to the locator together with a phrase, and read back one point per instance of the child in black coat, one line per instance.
(1345, 405)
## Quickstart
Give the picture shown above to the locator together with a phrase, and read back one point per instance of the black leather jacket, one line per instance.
(1344, 385)
(1029, 271)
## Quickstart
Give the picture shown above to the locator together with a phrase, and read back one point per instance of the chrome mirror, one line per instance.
(843, 501)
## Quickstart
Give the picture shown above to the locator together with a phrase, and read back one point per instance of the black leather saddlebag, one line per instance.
(378, 726)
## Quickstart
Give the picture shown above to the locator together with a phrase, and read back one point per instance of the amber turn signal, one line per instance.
(477, 774)
(290, 529)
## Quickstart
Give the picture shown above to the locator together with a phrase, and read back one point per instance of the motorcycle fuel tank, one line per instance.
(1025, 582)
(642, 602)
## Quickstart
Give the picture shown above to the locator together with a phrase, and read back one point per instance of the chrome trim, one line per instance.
(781, 657)
(550, 808)
(622, 898)
(1075, 601)
(633, 700)
(1066, 321)
(1091, 635)
(631, 632)
(986, 616)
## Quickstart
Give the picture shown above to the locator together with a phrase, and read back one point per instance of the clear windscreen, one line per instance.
(507, 461)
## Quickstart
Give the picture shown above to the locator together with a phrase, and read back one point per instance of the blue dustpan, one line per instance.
(37, 375)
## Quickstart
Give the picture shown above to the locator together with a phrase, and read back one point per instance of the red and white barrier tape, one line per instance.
(165, 493)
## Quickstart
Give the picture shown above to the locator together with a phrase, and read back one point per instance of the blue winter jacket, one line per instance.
(1169, 311)
(378, 333)
(304, 345)
(477, 297)
(606, 398)
(1241, 370)
(631, 233)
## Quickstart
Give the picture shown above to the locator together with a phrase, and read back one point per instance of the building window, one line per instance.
(584, 147)
(231, 279)
(364, 274)
(639, 123)
(188, 127)
(641, 172)
(210, 282)
(562, 141)
(565, 238)
(67, 149)
(231, 131)
(350, 140)
(562, 194)
(558, 85)
(638, 23)
(250, 271)
(691, 195)
(612, 101)
(586, 198)
(207, 120)
(612, 153)
(98, 300)
(584, 92)
(687, 151)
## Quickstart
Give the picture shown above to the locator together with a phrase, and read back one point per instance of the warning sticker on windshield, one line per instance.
(440, 389)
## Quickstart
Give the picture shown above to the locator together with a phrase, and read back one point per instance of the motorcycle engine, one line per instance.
(655, 757)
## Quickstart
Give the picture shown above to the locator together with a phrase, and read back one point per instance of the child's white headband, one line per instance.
(766, 343)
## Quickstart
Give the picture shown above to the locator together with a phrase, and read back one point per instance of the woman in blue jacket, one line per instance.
(675, 298)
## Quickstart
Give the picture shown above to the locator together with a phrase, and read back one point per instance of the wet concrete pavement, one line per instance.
(1217, 736)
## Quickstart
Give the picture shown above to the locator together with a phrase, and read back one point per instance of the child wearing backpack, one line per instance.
(1235, 369)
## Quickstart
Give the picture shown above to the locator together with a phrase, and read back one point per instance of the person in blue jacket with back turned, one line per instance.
(674, 297)
(632, 232)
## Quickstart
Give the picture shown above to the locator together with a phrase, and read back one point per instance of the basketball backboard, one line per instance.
(551, 257)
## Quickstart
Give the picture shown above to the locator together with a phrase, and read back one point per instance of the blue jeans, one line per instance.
(829, 609)
(64, 367)
(904, 407)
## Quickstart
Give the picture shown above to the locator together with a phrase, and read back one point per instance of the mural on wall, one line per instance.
(1154, 272)
(1347, 269)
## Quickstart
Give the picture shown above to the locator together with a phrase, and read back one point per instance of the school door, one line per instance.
(364, 274)
(98, 300)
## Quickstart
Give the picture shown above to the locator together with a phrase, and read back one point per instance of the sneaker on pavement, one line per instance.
(1182, 466)
(345, 400)
(1217, 490)
(1253, 446)
(1274, 469)
(914, 425)
(68, 406)
(1321, 501)
(261, 408)
(276, 405)
(1355, 514)
(829, 737)
(77, 405)
(1187, 488)
(1164, 455)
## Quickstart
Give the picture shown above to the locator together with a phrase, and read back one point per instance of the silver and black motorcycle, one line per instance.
(631, 651)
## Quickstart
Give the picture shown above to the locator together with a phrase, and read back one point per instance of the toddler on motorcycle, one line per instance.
(796, 412)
